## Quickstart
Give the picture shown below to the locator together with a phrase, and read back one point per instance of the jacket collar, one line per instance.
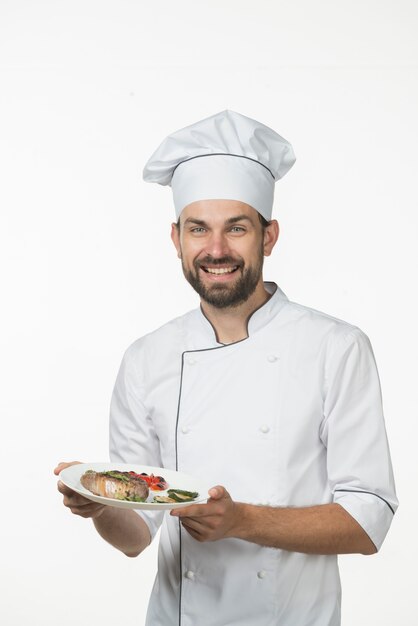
(256, 321)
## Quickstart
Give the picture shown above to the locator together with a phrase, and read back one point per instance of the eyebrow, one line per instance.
(229, 221)
(193, 220)
(238, 218)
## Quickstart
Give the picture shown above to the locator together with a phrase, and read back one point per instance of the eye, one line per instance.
(198, 230)
(237, 229)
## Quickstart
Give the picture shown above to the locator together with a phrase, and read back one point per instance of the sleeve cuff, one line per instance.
(371, 511)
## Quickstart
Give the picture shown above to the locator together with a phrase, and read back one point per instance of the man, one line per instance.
(278, 406)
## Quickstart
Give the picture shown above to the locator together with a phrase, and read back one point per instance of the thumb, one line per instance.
(64, 465)
(218, 492)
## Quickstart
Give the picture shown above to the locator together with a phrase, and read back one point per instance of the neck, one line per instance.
(230, 324)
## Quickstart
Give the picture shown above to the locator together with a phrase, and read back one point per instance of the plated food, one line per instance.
(114, 484)
(177, 495)
(131, 486)
(156, 483)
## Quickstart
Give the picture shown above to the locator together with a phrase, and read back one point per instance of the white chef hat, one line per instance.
(227, 156)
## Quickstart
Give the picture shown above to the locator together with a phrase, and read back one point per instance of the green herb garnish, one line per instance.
(179, 495)
(117, 475)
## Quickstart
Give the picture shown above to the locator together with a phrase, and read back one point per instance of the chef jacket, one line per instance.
(291, 416)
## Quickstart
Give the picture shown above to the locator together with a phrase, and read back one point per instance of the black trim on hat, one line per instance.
(224, 154)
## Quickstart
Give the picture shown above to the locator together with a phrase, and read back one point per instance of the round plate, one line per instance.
(70, 476)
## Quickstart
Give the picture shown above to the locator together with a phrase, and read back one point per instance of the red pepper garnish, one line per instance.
(156, 483)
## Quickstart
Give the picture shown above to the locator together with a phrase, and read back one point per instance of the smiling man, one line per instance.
(222, 245)
(221, 280)
(275, 405)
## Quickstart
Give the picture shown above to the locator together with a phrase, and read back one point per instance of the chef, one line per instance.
(275, 406)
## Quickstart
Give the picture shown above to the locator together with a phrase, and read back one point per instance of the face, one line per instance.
(222, 245)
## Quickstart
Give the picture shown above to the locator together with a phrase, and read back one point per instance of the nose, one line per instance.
(217, 245)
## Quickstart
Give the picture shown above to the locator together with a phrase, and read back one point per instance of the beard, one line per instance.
(222, 295)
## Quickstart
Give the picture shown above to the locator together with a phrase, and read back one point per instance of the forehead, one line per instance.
(213, 211)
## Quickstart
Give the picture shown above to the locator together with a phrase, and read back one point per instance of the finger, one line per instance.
(200, 532)
(191, 522)
(88, 510)
(218, 493)
(196, 510)
(72, 497)
(82, 507)
(64, 489)
(64, 465)
(76, 500)
(194, 534)
(193, 526)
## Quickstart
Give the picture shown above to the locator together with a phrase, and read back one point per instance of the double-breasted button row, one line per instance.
(264, 428)
(190, 575)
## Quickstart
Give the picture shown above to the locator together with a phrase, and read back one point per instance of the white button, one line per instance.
(185, 430)
(262, 573)
(190, 574)
(264, 428)
(191, 360)
(272, 358)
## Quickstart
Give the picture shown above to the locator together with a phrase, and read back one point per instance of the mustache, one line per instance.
(225, 260)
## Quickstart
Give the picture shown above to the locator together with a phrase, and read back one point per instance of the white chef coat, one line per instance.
(289, 417)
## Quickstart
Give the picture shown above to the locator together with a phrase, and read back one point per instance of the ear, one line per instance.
(175, 238)
(271, 235)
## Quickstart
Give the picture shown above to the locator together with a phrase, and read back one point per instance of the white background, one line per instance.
(88, 90)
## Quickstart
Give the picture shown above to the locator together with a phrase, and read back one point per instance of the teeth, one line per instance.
(220, 270)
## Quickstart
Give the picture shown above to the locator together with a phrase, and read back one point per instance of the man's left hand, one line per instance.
(211, 521)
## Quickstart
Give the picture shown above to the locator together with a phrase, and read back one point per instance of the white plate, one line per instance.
(70, 476)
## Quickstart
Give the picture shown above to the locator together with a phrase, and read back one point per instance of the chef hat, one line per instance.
(227, 156)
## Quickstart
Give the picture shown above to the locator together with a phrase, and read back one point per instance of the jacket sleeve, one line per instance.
(132, 435)
(353, 431)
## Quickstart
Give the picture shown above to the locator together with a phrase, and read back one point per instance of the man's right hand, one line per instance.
(122, 528)
(79, 505)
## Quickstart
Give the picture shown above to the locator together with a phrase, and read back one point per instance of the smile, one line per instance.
(220, 270)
